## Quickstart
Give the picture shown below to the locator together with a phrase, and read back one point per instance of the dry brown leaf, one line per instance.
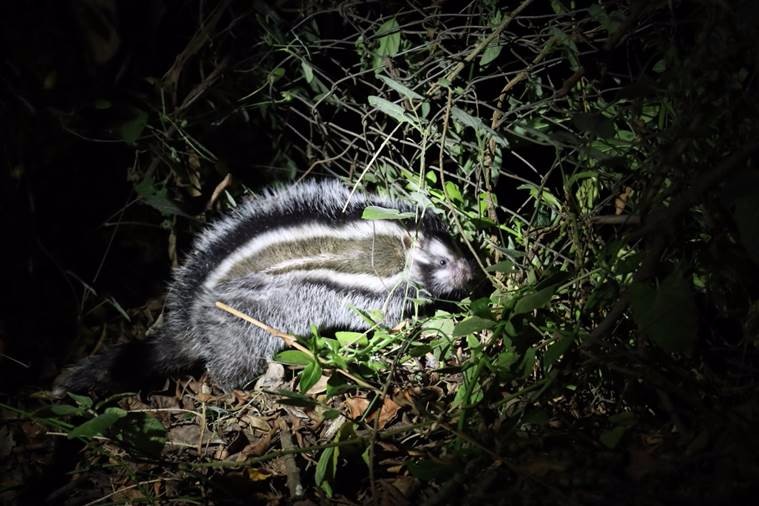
(32, 431)
(255, 474)
(388, 494)
(405, 484)
(273, 378)
(130, 495)
(206, 393)
(388, 411)
(412, 396)
(187, 435)
(356, 406)
(319, 387)
(193, 174)
(194, 385)
(257, 447)
(541, 466)
(387, 446)
(620, 202)
(241, 396)
(223, 185)
(400, 326)
(278, 467)
(256, 423)
(654, 440)
(331, 427)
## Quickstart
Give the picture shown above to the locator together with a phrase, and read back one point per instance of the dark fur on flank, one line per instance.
(322, 275)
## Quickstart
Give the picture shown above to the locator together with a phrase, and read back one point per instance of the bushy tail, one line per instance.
(125, 367)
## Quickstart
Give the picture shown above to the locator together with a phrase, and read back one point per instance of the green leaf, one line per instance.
(347, 339)
(558, 7)
(131, 129)
(67, 410)
(557, 349)
(295, 398)
(603, 294)
(118, 308)
(337, 360)
(528, 362)
(389, 44)
(337, 384)
(98, 425)
(471, 393)
(452, 192)
(400, 88)
(443, 325)
(623, 418)
(419, 351)
(504, 266)
(293, 357)
(309, 376)
(471, 325)
(505, 360)
(141, 432)
(425, 110)
(382, 213)
(627, 264)
(157, 197)
(308, 71)
(325, 459)
(467, 119)
(326, 467)
(541, 193)
(611, 438)
(81, 400)
(427, 470)
(276, 74)
(534, 300)
(595, 124)
(491, 53)
(395, 111)
(331, 414)
(536, 416)
(667, 313)
(481, 307)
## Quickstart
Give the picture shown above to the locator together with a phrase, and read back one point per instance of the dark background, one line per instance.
(69, 212)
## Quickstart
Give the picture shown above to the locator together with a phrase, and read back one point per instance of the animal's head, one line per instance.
(438, 265)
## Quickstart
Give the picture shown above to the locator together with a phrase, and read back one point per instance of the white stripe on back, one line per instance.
(356, 230)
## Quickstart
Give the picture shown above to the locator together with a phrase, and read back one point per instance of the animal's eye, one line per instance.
(442, 262)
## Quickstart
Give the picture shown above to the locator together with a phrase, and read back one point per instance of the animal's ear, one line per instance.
(408, 241)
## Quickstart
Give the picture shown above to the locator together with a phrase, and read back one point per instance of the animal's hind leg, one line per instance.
(237, 351)
(237, 371)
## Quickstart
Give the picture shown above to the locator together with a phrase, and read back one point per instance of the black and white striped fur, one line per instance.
(290, 258)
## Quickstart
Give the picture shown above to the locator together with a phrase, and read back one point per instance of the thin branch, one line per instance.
(290, 341)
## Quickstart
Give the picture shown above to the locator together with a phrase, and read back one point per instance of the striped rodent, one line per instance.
(295, 256)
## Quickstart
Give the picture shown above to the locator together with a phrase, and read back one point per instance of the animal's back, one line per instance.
(296, 256)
